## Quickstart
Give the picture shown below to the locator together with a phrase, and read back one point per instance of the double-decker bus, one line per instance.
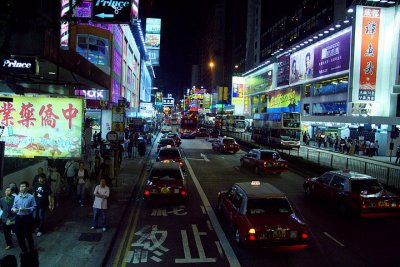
(280, 130)
(236, 123)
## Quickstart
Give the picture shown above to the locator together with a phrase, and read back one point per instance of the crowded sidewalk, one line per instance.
(68, 239)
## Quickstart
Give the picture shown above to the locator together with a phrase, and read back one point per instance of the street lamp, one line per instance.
(211, 64)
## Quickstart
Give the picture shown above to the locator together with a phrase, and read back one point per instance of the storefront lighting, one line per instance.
(338, 25)
(320, 34)
(350, 10)
(331, 29)
(306, 42)
(281, 49)
(310, 40)
(326, 31)
(391, 2)
(302, 44)
(384, 1)
(346, 21)
(315, 37)
(297, 46)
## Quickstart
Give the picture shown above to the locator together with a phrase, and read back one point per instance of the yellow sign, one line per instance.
(118, 127)
(42, 126)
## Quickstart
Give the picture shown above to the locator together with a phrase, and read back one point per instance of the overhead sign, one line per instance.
(153, 40)
(112, 11)
(93, 94)
(20, 65)
(42, 126)
(168, 101)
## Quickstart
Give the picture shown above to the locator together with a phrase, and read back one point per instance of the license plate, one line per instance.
(279, 234)
(165, 190)
(383, 204)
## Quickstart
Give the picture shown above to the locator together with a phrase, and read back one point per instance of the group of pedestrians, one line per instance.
(23, 209)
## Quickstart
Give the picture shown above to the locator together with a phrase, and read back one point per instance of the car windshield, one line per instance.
(159, 174)
(369, 185)
(169, 153)
(229, 141)
(270, 155)
(268, 205)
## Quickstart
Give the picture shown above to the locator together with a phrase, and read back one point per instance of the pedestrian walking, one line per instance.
(55, 184)
(40, 172)
(24, 205)
(71, 168)
(397, 154)
(101, 194)
(7, 216)
(43, 198)
(82, 176)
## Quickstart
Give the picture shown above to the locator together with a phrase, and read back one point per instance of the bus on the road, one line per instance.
(278, 130)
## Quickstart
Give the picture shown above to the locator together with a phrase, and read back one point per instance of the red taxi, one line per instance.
(165, 142)
(170, 154)
(225, 145)
(261, 215)
(264, 160)
(165, 183)
(353, 193)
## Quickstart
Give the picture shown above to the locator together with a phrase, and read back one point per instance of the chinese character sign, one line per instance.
(369, 53)
(42, 126)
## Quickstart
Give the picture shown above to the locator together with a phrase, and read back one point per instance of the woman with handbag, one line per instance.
(7, 217)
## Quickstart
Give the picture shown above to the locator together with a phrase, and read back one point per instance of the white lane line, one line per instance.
(334, 239)
(230, 254)
(203, 210)
(219, 249)
(204, 157)
(209, 225)
(194, 159)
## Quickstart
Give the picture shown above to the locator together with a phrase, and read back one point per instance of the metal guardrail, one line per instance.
(388, 174)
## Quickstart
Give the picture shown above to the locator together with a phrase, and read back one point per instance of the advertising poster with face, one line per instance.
(307, 64)
(286, 100)
(294, 68)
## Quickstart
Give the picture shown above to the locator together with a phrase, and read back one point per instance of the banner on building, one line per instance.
(283, 70)
(246, 109)
(369, 53)
(42, 126)
(237, 86)
(259, 81)
(286, 100)
(153, 39)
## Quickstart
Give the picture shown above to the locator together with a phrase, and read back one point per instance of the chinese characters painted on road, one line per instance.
(42, 126)
(369, 53)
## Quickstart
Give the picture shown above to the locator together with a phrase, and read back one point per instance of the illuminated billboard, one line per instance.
(42, 126)
(259, 81)
(285, 100)
(237, 86)
(153, 39)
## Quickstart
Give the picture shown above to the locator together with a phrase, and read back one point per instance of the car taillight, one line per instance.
(180, 163)
(304, 235)
(183, 193)
(363, 206)
(146, 192)
(252, 234)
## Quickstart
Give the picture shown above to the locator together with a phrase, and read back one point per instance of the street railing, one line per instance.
(388, 174)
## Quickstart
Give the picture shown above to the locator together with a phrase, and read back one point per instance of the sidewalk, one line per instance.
(68, 241)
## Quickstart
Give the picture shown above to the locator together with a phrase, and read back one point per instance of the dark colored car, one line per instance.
(261, 215)
(170, 154)
(165, 142)
(165, 183)
(176, 138)
(264, 160)
(202, 132)
(225, 145)
(213, 135)
(353, 193)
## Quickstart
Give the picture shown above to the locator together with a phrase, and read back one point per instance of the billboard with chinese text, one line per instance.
(42, 126)
(285, 100)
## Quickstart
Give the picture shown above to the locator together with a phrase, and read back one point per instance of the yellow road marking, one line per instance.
(131, 237)
(123, 240)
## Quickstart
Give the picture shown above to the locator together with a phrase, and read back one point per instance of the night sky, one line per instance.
(181, 30)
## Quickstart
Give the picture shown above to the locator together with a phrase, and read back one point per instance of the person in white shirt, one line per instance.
(101, 194)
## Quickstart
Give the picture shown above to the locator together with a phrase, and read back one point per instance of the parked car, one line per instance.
(165, 183)
(263, 161)
(353, 193)
(261, 215)
(225, 145)
(213, 135)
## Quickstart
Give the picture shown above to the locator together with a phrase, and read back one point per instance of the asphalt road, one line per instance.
(179, 235)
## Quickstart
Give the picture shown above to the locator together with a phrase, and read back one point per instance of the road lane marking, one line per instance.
(334, 239)
(122, 244)
(209, 225)
(135, 221)
(218, 245)
(204, 157)
(230, 254)
(203, 210)
(200, 249)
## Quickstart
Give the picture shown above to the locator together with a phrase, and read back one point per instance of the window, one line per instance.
(237, 200)
(325, 178)
(338, 182)
(94, 49)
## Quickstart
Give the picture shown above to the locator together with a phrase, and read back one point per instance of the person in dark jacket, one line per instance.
(7, 217)
(142, 147)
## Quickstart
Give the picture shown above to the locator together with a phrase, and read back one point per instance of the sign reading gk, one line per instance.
(112, 11)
